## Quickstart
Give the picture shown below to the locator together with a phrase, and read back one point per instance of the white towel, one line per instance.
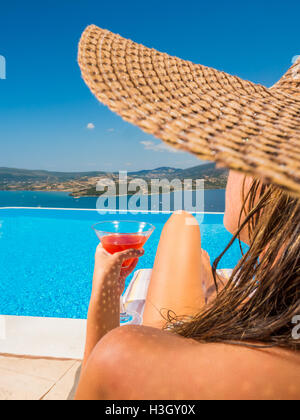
(135, 295)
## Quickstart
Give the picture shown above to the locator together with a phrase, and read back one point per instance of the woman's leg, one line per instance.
(176, 278)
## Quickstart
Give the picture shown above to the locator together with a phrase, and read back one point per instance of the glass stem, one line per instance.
(122, 307)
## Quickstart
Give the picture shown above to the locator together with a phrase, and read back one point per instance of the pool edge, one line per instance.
(99, 210)
(58, 338)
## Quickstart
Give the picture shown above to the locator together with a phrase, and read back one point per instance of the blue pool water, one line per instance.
(46, 257)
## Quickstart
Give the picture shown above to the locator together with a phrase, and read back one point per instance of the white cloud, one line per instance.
(90, 126)
(158, 147)
(295, 59)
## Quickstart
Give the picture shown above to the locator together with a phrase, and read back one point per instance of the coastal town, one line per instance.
(79, 184)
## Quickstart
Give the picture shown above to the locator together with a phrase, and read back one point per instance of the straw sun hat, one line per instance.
(241, 125)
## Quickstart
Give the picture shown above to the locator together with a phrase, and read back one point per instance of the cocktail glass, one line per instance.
(119, 235)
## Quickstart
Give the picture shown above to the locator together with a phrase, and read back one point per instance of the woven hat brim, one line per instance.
(218, 117)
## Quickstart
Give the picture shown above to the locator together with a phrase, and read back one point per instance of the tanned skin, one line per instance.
(144, 362)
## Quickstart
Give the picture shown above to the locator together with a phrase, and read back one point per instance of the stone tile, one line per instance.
(17, 386)
(49, 369)
(65, 388)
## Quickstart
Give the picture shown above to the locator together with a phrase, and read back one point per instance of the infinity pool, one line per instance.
(46, 257)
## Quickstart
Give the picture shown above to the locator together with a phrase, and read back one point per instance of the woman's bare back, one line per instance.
(147, 363)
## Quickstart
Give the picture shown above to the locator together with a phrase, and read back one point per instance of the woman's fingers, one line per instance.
(128, 270)
(100, 250)
(105, 259)
(123, 255)
(129, 253)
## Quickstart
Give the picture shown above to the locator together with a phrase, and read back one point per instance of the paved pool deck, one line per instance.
(25, 378)
(40, 358)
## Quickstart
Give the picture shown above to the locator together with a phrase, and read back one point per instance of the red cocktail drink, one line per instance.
(117, 242)
(120, 235)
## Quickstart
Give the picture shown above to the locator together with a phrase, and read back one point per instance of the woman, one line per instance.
(197, 359)
(243, 343)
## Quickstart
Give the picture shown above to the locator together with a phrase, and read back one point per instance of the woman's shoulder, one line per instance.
(155, 364)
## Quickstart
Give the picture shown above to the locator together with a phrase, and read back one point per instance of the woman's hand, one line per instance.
(208, 282)
(109, 274)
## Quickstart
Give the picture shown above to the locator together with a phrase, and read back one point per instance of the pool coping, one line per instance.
(107, 210)
(58, 338)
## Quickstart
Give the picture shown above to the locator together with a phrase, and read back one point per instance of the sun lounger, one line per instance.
(135, 295)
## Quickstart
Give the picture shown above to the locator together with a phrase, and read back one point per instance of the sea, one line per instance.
(210, 201)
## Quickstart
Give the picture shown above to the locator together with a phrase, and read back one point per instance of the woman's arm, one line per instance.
(108, 285)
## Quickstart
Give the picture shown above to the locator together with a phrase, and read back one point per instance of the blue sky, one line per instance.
(45, 107)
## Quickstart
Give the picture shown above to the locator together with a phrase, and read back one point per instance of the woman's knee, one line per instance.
(182, 218)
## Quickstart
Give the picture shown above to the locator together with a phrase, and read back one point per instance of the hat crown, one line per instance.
(290, 82)
(242, 125)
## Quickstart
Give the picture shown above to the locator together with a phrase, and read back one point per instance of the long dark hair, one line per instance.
(257, 305)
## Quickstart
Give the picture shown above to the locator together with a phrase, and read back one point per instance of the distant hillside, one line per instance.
(207, 171)
(15, 175)
(84, 183)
